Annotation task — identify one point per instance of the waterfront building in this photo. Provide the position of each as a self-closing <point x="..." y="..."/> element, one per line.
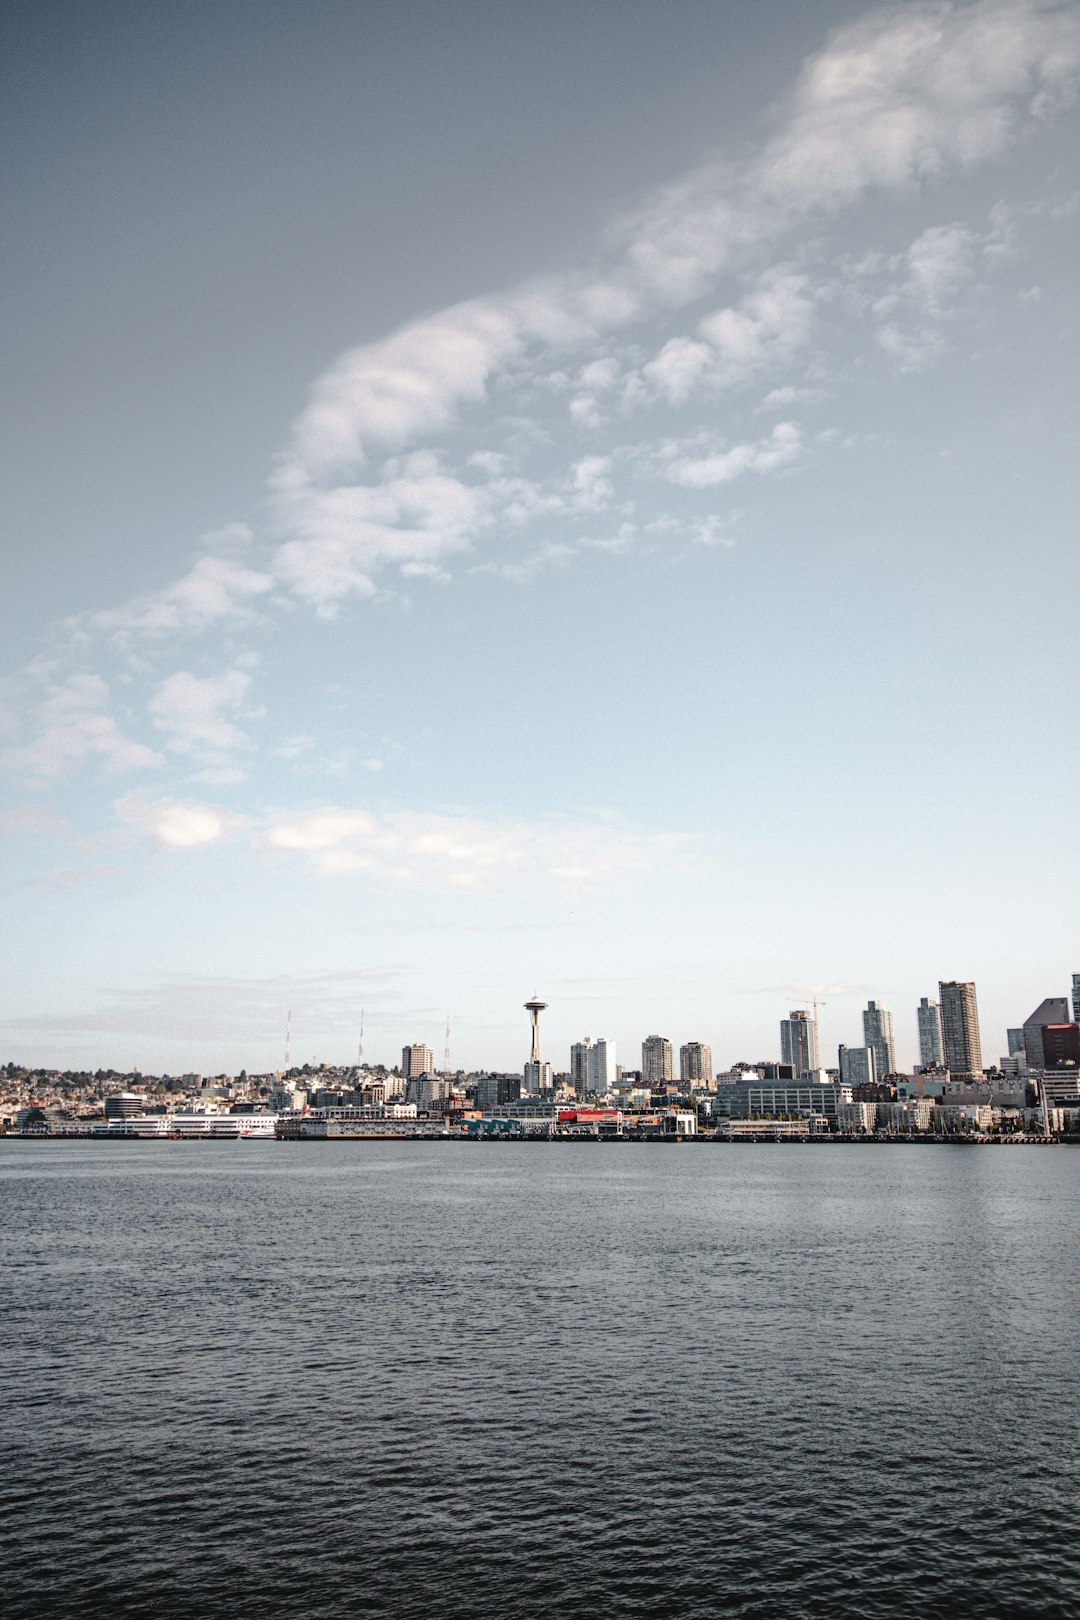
<point x="427" y="1091"/>
<point x="657" y="1067"/>
<point x="961" y="1046"/>
<point x="695" y="1064"/>
<point x="493" y="1090"/>
<point x="416" y="1060"/>
<point x="929" y="1020"/>
<point x="1052" y="1010"/>
<point x="773" y="1130"/>
<point x="798" y="1041"/>
<point x="125" y="1105"/>
<point x="743" y="1101"/>
<point x="878" y="1034"/>
<point x="858" y="1065"/>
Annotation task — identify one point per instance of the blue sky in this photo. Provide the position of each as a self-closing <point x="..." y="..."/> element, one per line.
<point x="578" y="501"/>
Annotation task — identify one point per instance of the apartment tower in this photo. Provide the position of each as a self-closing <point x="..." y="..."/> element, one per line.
<point x="798" y="1043"/>
<point x="878" y="1033"/>
<point x="929" y="1034"/>
<point x="961" y="1047"/>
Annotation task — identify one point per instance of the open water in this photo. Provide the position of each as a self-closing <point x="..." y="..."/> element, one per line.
<point x="431" y="1379"/>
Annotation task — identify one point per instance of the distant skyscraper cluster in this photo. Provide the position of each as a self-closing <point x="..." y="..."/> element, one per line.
<point x="949" y="1045"/>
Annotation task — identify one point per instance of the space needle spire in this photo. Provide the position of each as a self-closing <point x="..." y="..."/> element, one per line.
<point x="536" y="1072"/>
<point x="534" y="1008"/>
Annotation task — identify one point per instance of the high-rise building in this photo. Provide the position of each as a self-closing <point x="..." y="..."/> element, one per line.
<point x="593" y="1067"/>
<point x="877" y="1032"/>
<point x="1015" y="1038"/>
<point x="929" y="1034"/>
<point x="579" y="1065"/>
<point x="494" y="1090"/>
<point x="416" y="1060"/>
<point x="1076" y="998"/>
<point x="657" y="1068"/>
<point x="537" y="1077"/>
<point x="798" y="1041"/>
<point x="695" y="1064"/>
<point x="1053" y="1010"/>
<point x="1061" y="1046"/>
<point x="857" y="1066"/>
<point x="960" y="1043"/>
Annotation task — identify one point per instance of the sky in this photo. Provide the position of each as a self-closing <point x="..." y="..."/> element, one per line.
<point x="574" y="500"/>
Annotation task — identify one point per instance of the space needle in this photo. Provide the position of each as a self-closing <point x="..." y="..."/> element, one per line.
<point x="534" y="1071"/>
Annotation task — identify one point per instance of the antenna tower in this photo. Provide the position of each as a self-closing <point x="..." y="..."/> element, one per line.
<point x="446" y="1048"/>
<point x="288" y="1038"/>
<point x="360" y="1049"/>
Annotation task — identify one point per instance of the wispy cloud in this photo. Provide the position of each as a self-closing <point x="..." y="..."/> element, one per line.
<point x="70" y="723"/>
<point x="416" y="848"/>
<point x="198" y="716"/>
<point x="894" y="101"/>
<point x="219" y="587"/>
<point x="491" y="434"/>
<point x="684" y="462"/>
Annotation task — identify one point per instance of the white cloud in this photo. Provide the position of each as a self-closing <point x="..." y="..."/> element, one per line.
<point x="892" y="101"/>
<point x="770" y="324"/>
<point x="678" y="367"/>
<point x="723" y="466"/>
<point x="459" y="851"/>
<point x="70" y="725"/>
<point x="592" y="485"/>
<point x="387" y="392"/>
<point x="176" y="824"/>
<point x="195" y="714"/>
<point x="417" y="513"/>
<point x="912" y="90"/>
<point x="216" y="588"/>
<point x="912" y="295"/>
<point x="453" y="851"/>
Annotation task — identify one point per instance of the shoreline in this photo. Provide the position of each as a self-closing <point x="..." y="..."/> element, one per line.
<point x="538" y="1140"/>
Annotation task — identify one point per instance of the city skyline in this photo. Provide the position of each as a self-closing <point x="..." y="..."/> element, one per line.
<point x="956" y="1044"/>
<point x="443" y="506"/>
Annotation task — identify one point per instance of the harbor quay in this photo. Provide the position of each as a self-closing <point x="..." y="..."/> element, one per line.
<point x="538" y="1123"/>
